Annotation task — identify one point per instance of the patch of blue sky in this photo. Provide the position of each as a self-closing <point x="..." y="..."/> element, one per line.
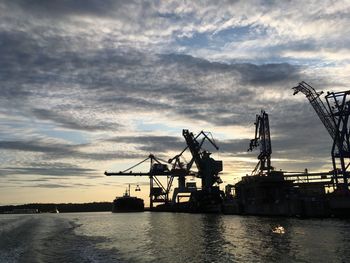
<point x="307" y="62"/>
<point x="219" y="39"/>
<point x="12" y="130"/>
<point x="239" y="34"/>
<point x="196" y="40"/>
<point x="275" y="55"/>
<point x="32" y="128"/>
<point x="76" y="137"/>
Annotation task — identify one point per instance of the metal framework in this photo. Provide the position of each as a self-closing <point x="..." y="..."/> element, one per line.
<point x="339" y="103"/>
<point x="336" y="121"/>
<point x="262" y="138"/>
<point x="208" y="168"/>
<point x="298" y="178"/>
<point x="159" y="193"/>
<point x="314" y="98"/>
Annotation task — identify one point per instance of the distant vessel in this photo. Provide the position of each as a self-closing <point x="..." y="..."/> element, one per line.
<point x="127" y="203"/>
<point x="55" y="211"/>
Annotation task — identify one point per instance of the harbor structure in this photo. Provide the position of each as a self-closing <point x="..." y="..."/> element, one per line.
<point x="266" y="191"/>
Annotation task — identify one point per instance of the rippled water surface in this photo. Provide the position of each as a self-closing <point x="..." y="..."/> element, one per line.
<point x="170" y="237"/>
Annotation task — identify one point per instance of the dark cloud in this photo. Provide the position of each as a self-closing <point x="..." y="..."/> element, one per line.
<point x="70" y="123"/>
<point x="162" y="144"/>
<point x="128" y="81"/>
<point x="268" y="74"/>
<point x="110" y="80"/>
<point x="47" y="171"/>
<point x="31" y="146"/>
<point x="51" y="186"/>
<point x="249" y="73"/>
<point x="154" y="144"/>
<point x="56" y="8"/>
<point x="53" y="151"/>
<point x="233" y="147"/>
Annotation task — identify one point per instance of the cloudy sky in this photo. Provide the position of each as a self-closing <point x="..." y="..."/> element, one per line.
<point x="88" y="86"/>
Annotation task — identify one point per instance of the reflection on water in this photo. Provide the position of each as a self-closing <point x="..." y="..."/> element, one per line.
<point x="170" y="237"/>
<point x="212" y="233"/>
<point x="254" y="240"/>
<point x="187" y="238"/>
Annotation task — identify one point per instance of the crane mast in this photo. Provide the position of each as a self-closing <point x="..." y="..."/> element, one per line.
<point x="208" y="168"/>
<point x="262" y="139"/>
<point x="209" y="198"/>
<point x="336" y="121"/>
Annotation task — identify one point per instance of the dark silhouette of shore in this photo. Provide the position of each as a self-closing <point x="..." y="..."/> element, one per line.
<point x="62" y="208"/>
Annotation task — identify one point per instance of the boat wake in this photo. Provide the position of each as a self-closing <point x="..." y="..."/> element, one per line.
<point x="48" y="238"/>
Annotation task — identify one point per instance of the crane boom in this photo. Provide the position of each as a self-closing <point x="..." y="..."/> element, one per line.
<point x="158" y="192"/>
<point x="336" y="121"/>
<point x="208" y="168"/>
<point x="314" y="98"/>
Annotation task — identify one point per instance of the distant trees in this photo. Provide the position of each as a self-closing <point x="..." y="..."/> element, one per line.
<point x="62" y="208"/>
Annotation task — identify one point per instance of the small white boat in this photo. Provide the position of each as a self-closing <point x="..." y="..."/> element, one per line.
<point x="55" y="211"/>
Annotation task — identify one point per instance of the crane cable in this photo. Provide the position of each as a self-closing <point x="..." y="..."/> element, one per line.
<point x="135" y="165"/>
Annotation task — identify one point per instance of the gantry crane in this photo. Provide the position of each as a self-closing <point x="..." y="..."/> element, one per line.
<point x="208" y="170"/>
<point x="336" y="121"/>
<point x="209" y="198"/>
<point x="158" y="167"/>
<point x="262" y="139"/>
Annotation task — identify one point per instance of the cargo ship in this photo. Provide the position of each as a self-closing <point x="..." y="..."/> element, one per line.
<point x="127" y="203"/>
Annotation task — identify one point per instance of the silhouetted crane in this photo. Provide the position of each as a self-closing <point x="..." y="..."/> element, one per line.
<point x="336" y="121"/>
<point x="208" y="198"/>
<point x="159" y="193"/>
<point x="208" y="168"/>
<point x="262" y="139"/>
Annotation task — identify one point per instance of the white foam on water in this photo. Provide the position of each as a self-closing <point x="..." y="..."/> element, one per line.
<point x="45" y="238"/>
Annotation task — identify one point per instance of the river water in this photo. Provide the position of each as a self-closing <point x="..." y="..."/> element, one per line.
<point x="170" y="237"/>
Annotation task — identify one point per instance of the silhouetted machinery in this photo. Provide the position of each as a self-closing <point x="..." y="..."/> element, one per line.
<point x="159" y="193"/>
<point x="336" y="121"/>
<point x="208" y="168"/>
<point x="262" y="139"/>
<point x="207" y="199"/>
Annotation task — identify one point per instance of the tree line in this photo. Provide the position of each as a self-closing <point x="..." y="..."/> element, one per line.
<point x="62" y="208"/>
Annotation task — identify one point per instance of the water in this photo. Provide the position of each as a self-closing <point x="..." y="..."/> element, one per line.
<point x="170" y="237"/>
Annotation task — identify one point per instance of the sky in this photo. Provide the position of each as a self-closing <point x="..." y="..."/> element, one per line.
<point x="88" y="86"/>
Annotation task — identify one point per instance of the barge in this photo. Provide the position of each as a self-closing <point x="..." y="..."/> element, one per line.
<point x="127" y="203"/>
